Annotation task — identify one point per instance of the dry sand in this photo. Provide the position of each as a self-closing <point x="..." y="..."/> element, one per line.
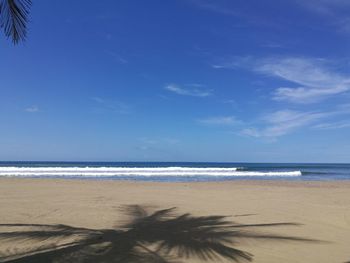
<point x="322" y="207"/>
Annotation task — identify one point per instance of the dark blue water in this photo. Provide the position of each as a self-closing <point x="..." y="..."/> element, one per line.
<point x="281" y="171"/>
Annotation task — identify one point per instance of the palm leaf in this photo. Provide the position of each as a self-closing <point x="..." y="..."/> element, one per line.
<point x="14" y="18"/>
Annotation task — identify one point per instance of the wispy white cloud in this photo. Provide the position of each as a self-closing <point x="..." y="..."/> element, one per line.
<point x="284" y="122"/>
<point x="111" y="105"/>
<point x="32" y="109"/>
<point x="314" y="79"/>
<point x="333" y="125"/>
<point x="189" y="90"/>
<point x="325" y="7"/>
<point x="305" y="94"/>
<point x="220" y="120"/>
<point x="334" y="11"/>
<point x="196" y="85"/>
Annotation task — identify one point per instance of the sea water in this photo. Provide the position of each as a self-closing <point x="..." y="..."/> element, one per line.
<point x="175" y="171"/>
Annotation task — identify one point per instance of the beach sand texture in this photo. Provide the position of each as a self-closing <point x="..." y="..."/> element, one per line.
<point x="323" y="209"/>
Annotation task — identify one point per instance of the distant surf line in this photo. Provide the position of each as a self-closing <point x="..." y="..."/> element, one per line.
<point x="12" y="171"/>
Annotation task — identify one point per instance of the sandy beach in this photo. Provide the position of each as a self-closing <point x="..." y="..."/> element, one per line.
<point x="322" y="209"/>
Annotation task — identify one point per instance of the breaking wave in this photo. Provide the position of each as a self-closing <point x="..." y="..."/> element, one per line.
<point x="136" y="171"/>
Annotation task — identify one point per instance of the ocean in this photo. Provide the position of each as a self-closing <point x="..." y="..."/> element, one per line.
<point x="176" y="171"/>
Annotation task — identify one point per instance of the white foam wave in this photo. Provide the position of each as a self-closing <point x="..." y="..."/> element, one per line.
<point x="135" y="171"/>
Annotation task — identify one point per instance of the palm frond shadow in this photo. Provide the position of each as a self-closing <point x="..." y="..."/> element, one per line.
<point x="157" y="237"/>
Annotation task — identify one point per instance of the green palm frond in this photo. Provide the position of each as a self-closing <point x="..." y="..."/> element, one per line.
<point x="14" y="18"/>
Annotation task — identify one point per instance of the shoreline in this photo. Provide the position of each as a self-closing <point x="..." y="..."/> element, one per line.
<point x="262" y="182"/>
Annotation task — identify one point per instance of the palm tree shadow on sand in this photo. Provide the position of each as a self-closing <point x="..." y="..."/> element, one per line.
<point x="157" y="237"/>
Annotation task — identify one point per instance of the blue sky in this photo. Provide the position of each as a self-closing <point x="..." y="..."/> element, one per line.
<point x="181" y="80"/>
